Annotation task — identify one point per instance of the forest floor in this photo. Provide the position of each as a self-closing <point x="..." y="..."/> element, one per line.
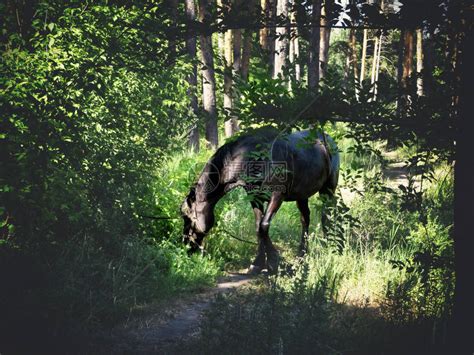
<point x="163" y="328"/>
<point x="166" y="328"/>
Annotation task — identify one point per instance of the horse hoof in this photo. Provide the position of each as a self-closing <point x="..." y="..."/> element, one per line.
<point x="272" y="263"/>
<point x="254" y="270"/>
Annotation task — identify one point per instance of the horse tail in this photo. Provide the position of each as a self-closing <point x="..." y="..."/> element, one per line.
<point x="333" y="165"/>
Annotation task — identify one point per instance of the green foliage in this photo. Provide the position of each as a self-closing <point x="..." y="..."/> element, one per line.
<point x="89" y="109"/>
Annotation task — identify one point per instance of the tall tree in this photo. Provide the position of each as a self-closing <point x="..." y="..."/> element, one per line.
<point x="190" y="9"/>
<point x="419" y="61"/>
<point x="249" y="12"/>
<point x="267" y="34"/>
<point x="220" y="35"/>
<point x="228" y="102"/>
<point x="364" y="55"/>
<point x="374" y="59"/>
<point x="208" y="76"/>
<point x="295" y="48"/>
<point x="407" y="57"/>
<point x="282" y="38"/>
<point x="428" y="64"/>
<point x="246" y="54"/>
<point x="237" y="40"/>
<point x="265" y="30"/>
<point x="353" y="53"/>
<point x="314" y="41"/>
<point x="377" y="64"/>
<point x="325" y="34"/>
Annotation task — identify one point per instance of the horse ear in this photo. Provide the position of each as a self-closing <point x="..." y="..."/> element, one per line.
<point x="190" y="198"/>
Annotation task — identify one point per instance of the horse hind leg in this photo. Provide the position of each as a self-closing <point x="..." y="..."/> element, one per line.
<point x="305" y="213"/>
<point x="272" y="254"/>
<point x="260" y="260"/>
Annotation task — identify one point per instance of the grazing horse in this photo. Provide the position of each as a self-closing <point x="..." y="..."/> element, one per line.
<point x="273" y="168"/>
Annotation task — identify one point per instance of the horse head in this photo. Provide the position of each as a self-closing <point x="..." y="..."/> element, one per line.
<point x="198" y="218"/>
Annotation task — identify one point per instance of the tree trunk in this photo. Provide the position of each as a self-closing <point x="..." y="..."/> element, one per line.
<point x="246" y="54"/>
<point x="374" y="64"/>
<point x="267" y="34"/>
<point x="282" y="41"/>
<point x="265" y="31"/>
<point x="294" y="51"/>
<point x="407" y="69"/>
<point x="428" y="64"/>
<point x="237" y="48"/>
<point x="237" y="40"/>
<point x="377" y="66"/>
<point x="228" y="49"/>
<point x="208" y="77"/>
<point x="419" y="61"/>
<point x="247" y="42"/>
<point x="314" y="42"/>
<point x="220" y="35"/>
<point x="190" y="9"/>
<point x="353" y="53"/>
<point x="400" y="72"/>
<point x="374" y="60"/>
<point x="364" y="53"/>
<point x="407" y="57"/>
<point x="325" y="34"/>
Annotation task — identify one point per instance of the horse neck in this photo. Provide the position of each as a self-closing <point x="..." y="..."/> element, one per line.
<point x="209" y="189"/>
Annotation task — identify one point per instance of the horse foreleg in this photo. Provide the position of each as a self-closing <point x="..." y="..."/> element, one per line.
<point x="259" y="262"/>
<point x="304" y="210"/>
<point x="272" y="254"/>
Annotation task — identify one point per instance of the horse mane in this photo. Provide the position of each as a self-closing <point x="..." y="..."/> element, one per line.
<point x="223" y="155"/>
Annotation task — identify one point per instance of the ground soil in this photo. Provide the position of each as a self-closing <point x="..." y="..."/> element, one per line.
<point x="163" y="328"/>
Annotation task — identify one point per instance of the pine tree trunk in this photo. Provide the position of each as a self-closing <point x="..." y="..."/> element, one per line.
<point x="190" y="9"/>
<point x="407" y="64"/>
<point x="407" y="57"/>
<point x="428" y="64"/>
<point x="325" y="34"/>
<point x="267" y="34"/>
<point x="400" y="72"/>
<point x="208" y="77"/>
<point x="247" y="42"/>
<point x="314" y="43"/>
<point x="237" y="40"/>
<point x="374" y="64"/>
<point x="264" y="32"/>
<point x="377" y="67"/>
<point x="419" y="61"/>
<point x="363" y="58"/>
<point x="246" y="54"/>
<point x="298" y="69"/>
<point x="220" y="35"/>
<point x="282" y="42"/>
<point x="353" y="53"/>
<point x="228" y="49"/>
<point x="237" y="49"/>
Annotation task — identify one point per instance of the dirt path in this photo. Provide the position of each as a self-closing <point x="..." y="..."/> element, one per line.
<point x="161" y="329"/>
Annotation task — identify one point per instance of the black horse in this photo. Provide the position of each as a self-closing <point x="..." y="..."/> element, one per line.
<point x="273" y="168"/>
